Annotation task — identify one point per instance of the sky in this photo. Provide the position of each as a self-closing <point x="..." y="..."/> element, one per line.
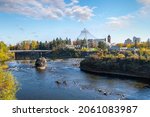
<point x="44" y="20"/>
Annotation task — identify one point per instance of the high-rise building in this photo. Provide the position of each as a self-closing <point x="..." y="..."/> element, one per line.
<point x="136" y="40"/>
<point x="128" y="41"/>
<point x="109" y="39"/>
<point x="148" y="42"/>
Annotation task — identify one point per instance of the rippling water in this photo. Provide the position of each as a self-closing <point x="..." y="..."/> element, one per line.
<point x="64" y="80"/>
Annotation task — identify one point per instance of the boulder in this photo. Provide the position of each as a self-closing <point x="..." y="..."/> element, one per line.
<point x="41" y="63"/>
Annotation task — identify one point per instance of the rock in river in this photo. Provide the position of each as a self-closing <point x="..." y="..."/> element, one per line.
<point x="41" y="63"/>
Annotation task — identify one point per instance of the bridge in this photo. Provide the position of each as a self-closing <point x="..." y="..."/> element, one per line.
<point x="34" y="54"/>
<point x="31" y="54"/>
<point x="16" y="51"/>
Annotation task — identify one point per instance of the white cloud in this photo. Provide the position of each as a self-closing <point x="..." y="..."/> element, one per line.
<point x="145" y="9"/>
<point x="52" y="9"/>
<point x="126" y="20"/>
<point x="119" y="22"/>
<point x="145" y="2"/>
<point x="73" y="2"/>
<point x="84" y="13"/>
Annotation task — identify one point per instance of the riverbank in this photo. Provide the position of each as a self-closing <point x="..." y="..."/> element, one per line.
<point x="127" y="68"/>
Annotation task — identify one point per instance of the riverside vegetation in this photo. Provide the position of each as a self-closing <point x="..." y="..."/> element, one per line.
<point x="127" y="63"/>
<point x="8" y="85"/>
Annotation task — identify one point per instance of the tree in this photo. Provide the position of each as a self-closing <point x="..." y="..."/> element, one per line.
<point x="128" y="45"/>
<point x="148" y="43"/>
<point x="11" y="47"/>
<point x="7" y="81"/>
<point x="84" y="43"/>
<point x="8" y="86"/>
<point x="102" y="45"/>
<point x="57" y="43"/>
<point x="121" y="56"/>
<point x="25" y="45"/>
<point x="120" y="45"/>
<point x="69" y="41"/>
<point x="54" y="44"/>
<point x="34" y="45"/>
<point x="3" y="47"/>
<point x="41" y="46"/>
<point x="136" y="44"/>
<point x="4" y="53"/>
<point x="66" y="41"/>
<point x="18" y="46"/>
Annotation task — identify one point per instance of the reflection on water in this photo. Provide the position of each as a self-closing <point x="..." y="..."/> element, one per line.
<point x="64" y="80"/>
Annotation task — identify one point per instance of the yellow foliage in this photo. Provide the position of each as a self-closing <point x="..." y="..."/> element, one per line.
<point x="4" y="66"/>
<point x="121" y="56"/>
<point x="129" y="45"/>
<point x="85" y="49"/>
<point x="34" y="45"/>
<point x="4" y="53"/>
<point x="120" y="44"/>
<point x="8" y="86"/>
<point x="7" y="82"/>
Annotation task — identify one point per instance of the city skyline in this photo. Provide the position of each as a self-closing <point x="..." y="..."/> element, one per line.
<point x="47" y="19"/>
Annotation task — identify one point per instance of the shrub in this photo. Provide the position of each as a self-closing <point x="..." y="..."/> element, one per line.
<point x="128" y="54"/>
<point x="8" y="86"/>
<point x="121" y="56"/>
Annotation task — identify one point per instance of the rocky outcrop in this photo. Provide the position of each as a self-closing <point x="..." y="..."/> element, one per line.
<point x="41" y="63"/>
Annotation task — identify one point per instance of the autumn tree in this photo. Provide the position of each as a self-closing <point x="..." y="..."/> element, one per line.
<point x="8" y="87"/>
<point x="120" y="45"/>
<point x="129" y="45"/>
<point x="25" y="45"/>
<point x="4" y="53"/>
<point x="34" y="45"/>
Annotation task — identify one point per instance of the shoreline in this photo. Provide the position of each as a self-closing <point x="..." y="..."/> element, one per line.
<point x="123" y="76"/>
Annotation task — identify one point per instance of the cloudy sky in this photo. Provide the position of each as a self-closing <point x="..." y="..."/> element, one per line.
<point x="46" y="19"/>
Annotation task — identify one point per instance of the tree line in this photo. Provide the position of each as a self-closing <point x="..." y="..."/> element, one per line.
<point x="38" y="45"/>
<point x="136" y="45"/>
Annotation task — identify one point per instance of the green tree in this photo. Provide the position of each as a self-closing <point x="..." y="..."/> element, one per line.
<point x="84" y="43"/>
<point x="102" y="45"/>
<point x="148" y="43"/>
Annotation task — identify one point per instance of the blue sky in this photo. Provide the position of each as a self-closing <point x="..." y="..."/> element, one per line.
<point x="47" y="19"/>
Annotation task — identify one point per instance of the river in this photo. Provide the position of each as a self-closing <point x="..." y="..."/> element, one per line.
<point x="63" y="80"/>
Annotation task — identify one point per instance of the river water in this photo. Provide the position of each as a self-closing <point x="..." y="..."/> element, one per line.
<point x="63" y="80"/>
